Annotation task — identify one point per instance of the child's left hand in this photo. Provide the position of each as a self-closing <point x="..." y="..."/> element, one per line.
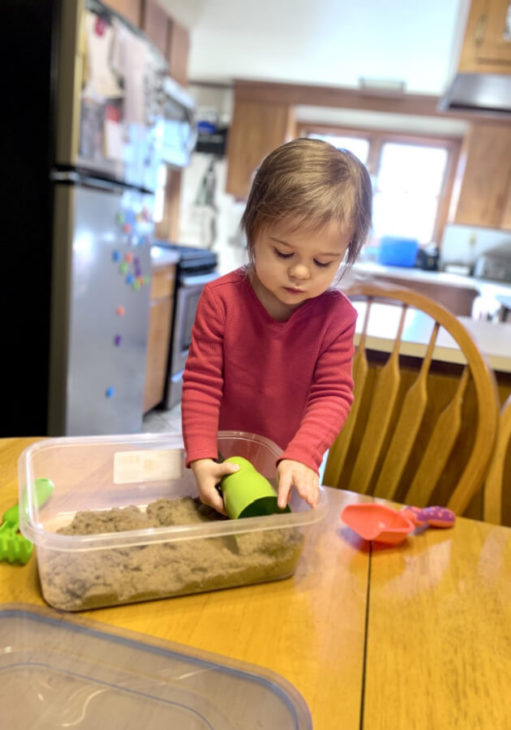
<point x="304" y="479"/>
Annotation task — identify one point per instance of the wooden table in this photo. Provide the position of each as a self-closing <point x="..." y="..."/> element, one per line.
<point x="439" y="631"/>
<point x="309" y="629"/>
<point x="417" y="636"/>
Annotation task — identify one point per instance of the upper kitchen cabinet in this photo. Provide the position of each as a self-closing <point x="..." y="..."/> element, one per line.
<point x="171" y="38"/>
<point x="131" y="10"/>
<point x="154" y="21"/>
<point x="487" y="41"/>
<point x="482" y="195"/>
<point x="257" y="127"/>
<point x="178" y="48"/>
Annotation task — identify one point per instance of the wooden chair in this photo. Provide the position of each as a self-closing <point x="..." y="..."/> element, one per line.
<point x="497" y="490"/>
<point x="420" y="431"/>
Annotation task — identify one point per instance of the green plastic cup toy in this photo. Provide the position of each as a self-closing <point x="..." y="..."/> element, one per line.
<point x="247" y="493"/>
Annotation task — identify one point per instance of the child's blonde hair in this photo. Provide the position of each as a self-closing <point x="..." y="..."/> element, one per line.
<point x="310" y="182"/>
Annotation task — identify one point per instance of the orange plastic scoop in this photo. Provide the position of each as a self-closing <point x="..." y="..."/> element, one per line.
<point x="377" y="522"/>
<point x="383" y="524"/>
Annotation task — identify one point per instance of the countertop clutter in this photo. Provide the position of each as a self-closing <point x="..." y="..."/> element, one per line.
<point x="443" y="278"/>
<point x="465" y="296"/>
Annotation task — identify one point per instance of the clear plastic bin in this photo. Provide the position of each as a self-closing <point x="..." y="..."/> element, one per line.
<point x="194" y="551"/>
<point x="58" y="672"/>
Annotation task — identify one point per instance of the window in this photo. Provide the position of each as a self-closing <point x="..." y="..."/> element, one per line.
<point x="357" y="145"/>
<point x="407" y="190"/>
<point x="412" y="179"/>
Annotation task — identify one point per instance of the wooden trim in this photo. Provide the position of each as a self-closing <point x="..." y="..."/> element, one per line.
<point x="342" y="97"/>
<point x="178" y="50"/>
<point x="168" y="228"/>
<point x="154" y="24"/>
<point x="497" y="503"/>
<point x="375" y="132"/>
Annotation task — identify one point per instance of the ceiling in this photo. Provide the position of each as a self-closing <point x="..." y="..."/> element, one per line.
<point x="323" y="42"/>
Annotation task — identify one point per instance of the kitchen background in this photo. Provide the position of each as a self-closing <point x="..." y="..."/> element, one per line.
<point x="100" y="333"/>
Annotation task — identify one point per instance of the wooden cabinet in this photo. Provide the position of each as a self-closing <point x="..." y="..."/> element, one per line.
<point x="487" y="41"/>
<point x="483" y="186"/>
<point x="506" y="215"/>
<point x="131" y="10"/>
<point x="171" y="38"/>
<point x="178" y="49"/>
<point x="256" y="129"/>
<point x="154" y="22"/>
<point x="158" y="344"/>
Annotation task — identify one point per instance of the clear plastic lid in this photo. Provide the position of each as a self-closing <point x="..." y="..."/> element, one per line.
<point x="59" y="672"/>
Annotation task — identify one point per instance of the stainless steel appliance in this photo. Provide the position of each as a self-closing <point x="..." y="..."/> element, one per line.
<point x="92" y="115"/>
<point x="495" y="264"/>
<point x="196" y="268"/>
<point x="480" y="93"/>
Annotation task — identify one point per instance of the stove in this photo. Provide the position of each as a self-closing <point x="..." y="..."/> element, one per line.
<point x="196" y="267"/>
<point x="191" y="258"/>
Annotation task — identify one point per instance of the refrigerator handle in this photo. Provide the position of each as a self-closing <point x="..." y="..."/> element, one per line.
<point x="75" y="178"/>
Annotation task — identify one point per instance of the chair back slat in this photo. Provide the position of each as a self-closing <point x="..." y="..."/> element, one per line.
<point x="439" y="447"/>
<point x="407" y="427"/>
<point x="339" y="449"/>
<point x="376" y="429"/>
<point x="497" y="490"/>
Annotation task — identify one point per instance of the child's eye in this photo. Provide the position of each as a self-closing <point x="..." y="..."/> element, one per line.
<point x="282" y="255"/>
<point x="321" y="264"/>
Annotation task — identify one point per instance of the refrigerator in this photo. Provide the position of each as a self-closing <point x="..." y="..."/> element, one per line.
<point x="91" y="116"/>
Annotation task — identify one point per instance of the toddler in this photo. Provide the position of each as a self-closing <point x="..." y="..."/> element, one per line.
<point x="272" y="342"/>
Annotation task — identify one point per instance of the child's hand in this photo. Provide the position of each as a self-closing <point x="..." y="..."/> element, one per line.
<point x="208" y="473"/>
<point x="304" y="479"/>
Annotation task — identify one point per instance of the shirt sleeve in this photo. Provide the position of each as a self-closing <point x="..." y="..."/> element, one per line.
<point x="203" y="380"/>
<point x="329" y="401"/>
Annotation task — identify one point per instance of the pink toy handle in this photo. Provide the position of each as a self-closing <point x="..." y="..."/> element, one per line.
<point x="432" y="516"/>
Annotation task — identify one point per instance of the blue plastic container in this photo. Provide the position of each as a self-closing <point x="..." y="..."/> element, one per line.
<point x="395" y="251"/>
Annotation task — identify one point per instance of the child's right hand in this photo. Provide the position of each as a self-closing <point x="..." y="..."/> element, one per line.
<point x="208" y="473"/>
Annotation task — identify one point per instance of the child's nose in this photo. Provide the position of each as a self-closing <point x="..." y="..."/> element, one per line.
<point x="300" y="271"/>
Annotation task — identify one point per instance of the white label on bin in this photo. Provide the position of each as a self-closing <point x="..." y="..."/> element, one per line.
<point x="148" y="466"/>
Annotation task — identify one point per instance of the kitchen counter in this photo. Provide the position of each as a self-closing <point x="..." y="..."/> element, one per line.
<point x="455" y="291"/>
<point x="492" y="338"/>
<point x="411" y="274"/>
<point x="161" y="257"/>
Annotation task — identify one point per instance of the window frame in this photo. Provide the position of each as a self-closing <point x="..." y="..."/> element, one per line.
<point x="377" y="137"/>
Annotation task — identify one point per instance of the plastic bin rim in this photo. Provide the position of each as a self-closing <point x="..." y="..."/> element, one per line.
<point x="176" y="533"/>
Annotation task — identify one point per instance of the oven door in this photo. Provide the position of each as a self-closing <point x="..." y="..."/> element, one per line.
<point x="189" y="289"/>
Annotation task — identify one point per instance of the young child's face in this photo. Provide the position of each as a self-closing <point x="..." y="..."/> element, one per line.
<point x="293" y="264"/>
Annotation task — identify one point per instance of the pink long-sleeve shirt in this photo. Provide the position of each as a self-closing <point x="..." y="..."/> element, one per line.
<point x="289" y="381"/>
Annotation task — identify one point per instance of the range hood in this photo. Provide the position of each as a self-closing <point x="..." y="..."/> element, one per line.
<point x="476" y="92"/>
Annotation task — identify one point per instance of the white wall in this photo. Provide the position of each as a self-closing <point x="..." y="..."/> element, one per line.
<point x="214" y="223"/>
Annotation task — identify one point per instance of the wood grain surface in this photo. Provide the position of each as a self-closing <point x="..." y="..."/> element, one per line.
<point x="436" y="651"/>
<point x="439" y="631"/>
<point x="309" y="628"/>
